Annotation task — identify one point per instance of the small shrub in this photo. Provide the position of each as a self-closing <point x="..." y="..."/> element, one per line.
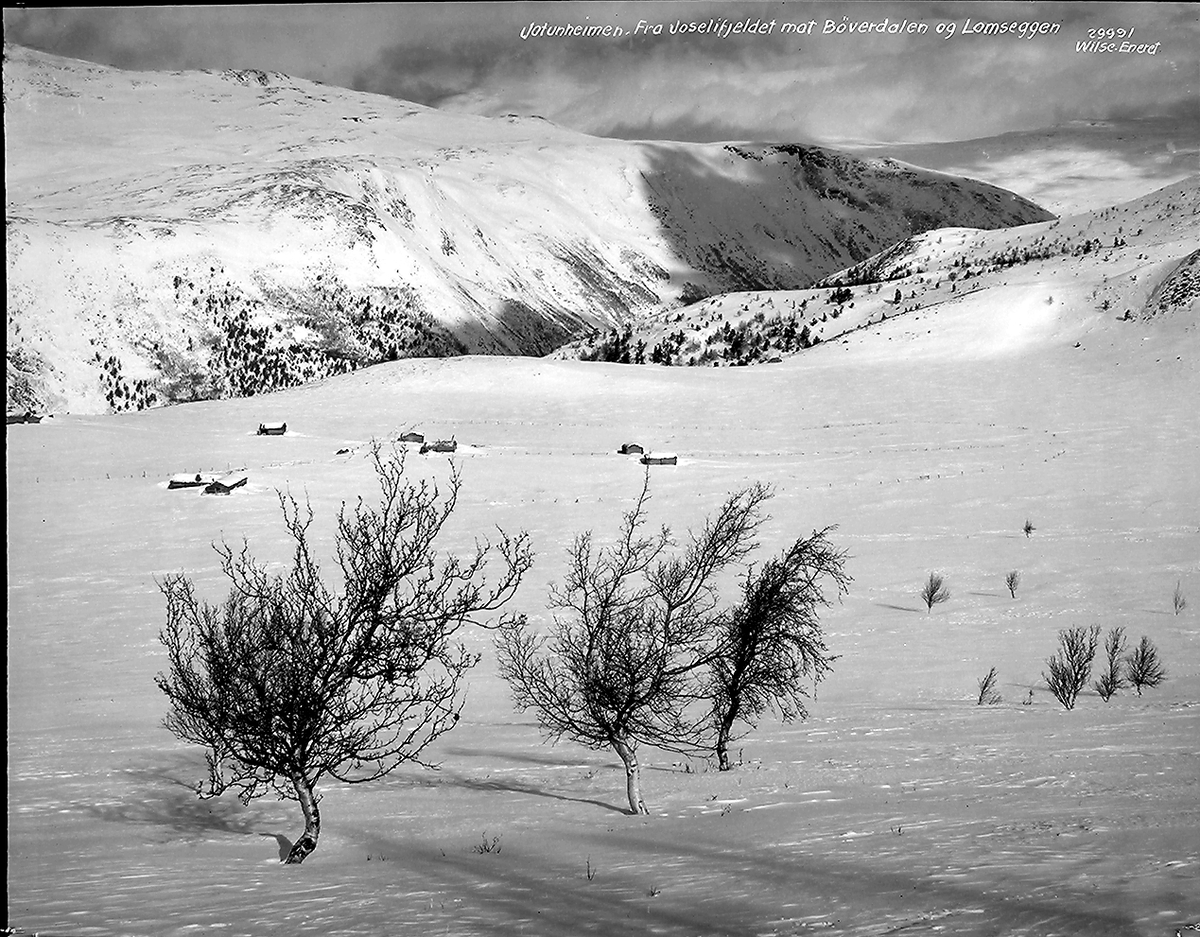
<point x="1028" y="528"/>
<point x="935" y="591"/>
<point x="488" y="845"/>
<point x="1111" y="681"/>
<point x="1071" y="666"/>
<point x="1178" y="602"/>
<point x="1142" y="667"/>
<point x="988" y="694"/>
<point x="1012" y="580"/>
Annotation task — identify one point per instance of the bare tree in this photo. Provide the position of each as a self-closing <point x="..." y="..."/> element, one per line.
<point x="934" y="591"/>
<point x="988" y="694"/>
<point x="631" y="630"/>
<point x="288" y="680"/>
<point x="1142" y="667"/>
<point x="1178" y="602"/>
<point x="1071" y="665"/>
<point x="1012" y="580"/>
<point x="772" y="642"/>
<point x="1111" y="680"/>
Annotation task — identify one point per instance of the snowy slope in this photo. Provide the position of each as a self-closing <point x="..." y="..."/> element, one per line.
<point x="190" y="235"/>
<point x="1130" y="261"/>
<point x="900" y="806"/>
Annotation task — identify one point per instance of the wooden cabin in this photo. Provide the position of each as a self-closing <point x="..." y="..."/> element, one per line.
<point x="225" y="484"/>
<point x="272" y="429"/>
<point x="184" y="480"/>
<point x="440" y="445"/>
<point x="412" y="437"/>
<point x="631" y="448"/>
<point x="660" y="458"/>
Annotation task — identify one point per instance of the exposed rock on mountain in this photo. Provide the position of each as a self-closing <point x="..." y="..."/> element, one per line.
<point x="189" y="235"/>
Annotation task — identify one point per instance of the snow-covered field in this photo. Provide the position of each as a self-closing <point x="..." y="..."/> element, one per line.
<point x="899" y="807"/>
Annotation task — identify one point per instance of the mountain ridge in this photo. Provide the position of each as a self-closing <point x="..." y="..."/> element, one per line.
<point x="226" y="233"/>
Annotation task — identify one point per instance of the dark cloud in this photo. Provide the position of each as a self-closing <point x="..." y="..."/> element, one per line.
<point x="697" y="86"/>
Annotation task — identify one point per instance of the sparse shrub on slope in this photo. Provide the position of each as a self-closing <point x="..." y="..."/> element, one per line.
<point x="1012" y="580"/>
<point x="934" y="591"/>
<point x="287" y="681"/>
<point x="1071" y="666"/>
<point x="1142" y="666"/>
<point x="1111" y="680"/>
<point x="988" y="693"/>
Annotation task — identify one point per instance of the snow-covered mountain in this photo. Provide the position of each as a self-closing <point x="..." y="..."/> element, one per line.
<point x="188" y="235"/>
<point x="1131" y="261"/>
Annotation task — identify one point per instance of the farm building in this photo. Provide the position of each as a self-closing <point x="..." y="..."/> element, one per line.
<point x="660" y="458"/>
<point x="272" y="429"/>
<point x="186" y="480"/>
<point x="226" y="484"/>
<point x="631" y="448"/>
<point x="412" y="437"/>
<point x="27" y="417"/>
<point x="440" y="445"/>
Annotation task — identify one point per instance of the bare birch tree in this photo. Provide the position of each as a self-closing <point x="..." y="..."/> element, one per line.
<point x="289" y="681"/>
<point x="631" y="628"/>
<point x="1069" y="670"/>
<point x="1142" y="666"/>
<point x="771" y="644"/>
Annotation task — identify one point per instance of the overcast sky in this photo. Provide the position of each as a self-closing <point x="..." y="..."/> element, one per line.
<point x="948" y="82"/>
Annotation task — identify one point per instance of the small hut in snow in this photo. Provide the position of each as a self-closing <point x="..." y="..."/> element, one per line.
<point x="184" y="480"/>
<point x="440" y="445"/>
<point x="660" y="458"/>
<point x="226" y="484"/>
<point x="272" y="429"/>
<point x="412" y="437"/>
<point x="631" y="448"/>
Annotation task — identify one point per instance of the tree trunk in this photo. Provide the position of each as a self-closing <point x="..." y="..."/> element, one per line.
<point x="633" y="776"/>
<point x="312" y="821"/>
<point x="723" y="747"/>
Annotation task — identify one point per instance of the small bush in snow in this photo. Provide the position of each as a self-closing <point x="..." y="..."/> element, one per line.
<point x="1071" y="666"/>
<point x="1142" y="667"/>
<point x="1012" y="580"/>
<point x="1111" y="680"/>
<point x="1178" y="602"/>
<point x="988" y="694"/>
<point x="935" y="591"/>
